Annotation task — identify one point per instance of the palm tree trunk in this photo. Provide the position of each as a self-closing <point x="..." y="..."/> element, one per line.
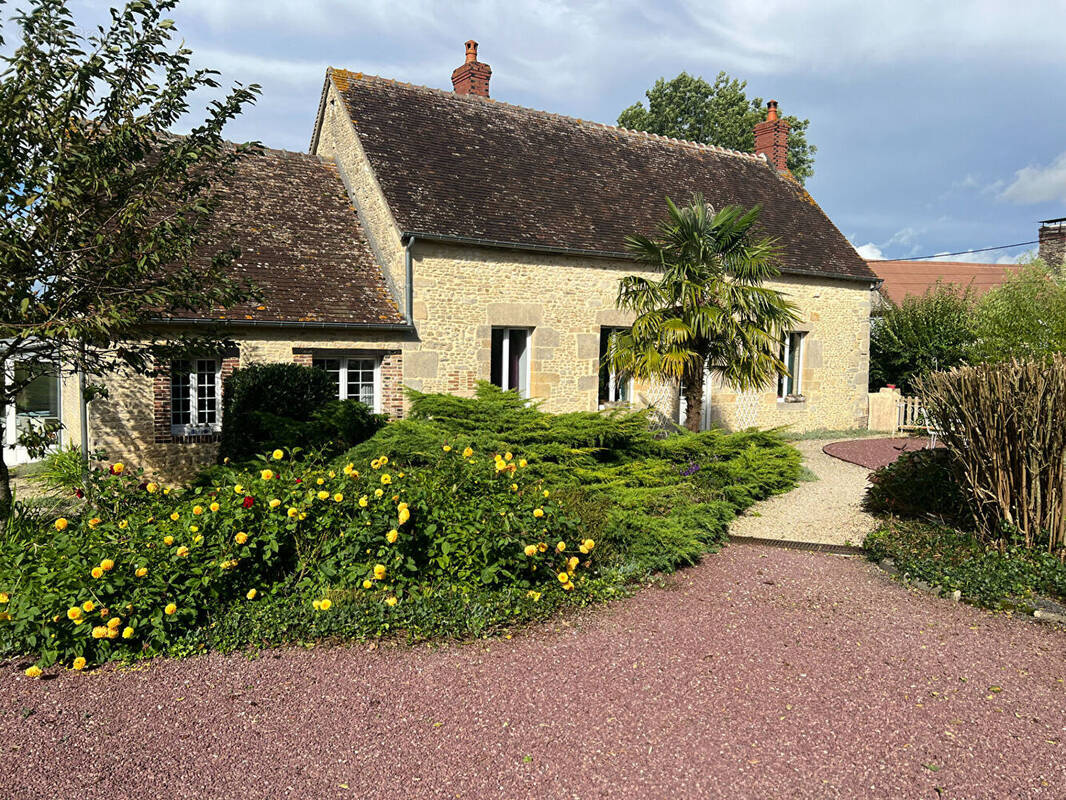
<point x="694" y="400"/>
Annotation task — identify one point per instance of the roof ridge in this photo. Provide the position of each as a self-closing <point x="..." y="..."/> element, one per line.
<point x="348" y="74"/>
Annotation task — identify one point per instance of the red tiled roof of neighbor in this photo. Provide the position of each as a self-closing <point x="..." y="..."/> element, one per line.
<point x="909" y="278"/>
<point x="301" y="245"/>
<point x="464" y="166"/>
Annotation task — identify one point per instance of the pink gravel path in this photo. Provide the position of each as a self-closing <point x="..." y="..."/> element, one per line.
<point x="874" y="453"/>
<point x="761" y="673"/>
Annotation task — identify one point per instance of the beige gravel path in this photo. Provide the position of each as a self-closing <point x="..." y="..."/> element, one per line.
<point x="826" y="511"/>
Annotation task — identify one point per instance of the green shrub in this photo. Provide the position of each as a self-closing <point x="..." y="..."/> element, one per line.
<point x="267" y="406"/>
<point x="920" y="483"/>
<point x="1023" y="318"/>
<point x="991" y="577"/>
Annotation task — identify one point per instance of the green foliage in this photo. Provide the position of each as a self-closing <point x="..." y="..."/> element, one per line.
<point x="992" y="577"/>
<point x="923" y="334"/>
<point x="920" y="484"/>
<point x="720" y="114"/>
<point x="267" y="406"/>
<point x="106" y="211"/>
<point x="1023" y="318"/>
<point x="709" y="311"/>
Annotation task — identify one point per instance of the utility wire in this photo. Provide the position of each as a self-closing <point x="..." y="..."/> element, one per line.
<point x="962" y="252"/>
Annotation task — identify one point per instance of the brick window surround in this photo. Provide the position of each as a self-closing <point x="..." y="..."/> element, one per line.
<point x="164" y="434"/>
<point x="391" y="371"/>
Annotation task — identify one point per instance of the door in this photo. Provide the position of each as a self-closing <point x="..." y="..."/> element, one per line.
<point x="35" y="406"/>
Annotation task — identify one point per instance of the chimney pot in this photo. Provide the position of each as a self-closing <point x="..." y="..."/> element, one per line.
<point x="472" y="77"/>
<point x="771" y="110"/>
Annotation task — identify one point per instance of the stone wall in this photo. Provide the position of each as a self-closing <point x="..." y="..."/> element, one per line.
<point x="124" y="424"/>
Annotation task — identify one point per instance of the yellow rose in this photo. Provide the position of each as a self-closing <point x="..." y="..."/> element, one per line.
<point x="198" y="510"/>
<point x="508" y="456"/>
<point x="531" y="550"/>
<point x="214" y="506"/>
<point x="251" y="594"/>
<point x="182" y="551"/>
<point x="379" y="572"/>
<point x="141" y="572"/>
<point x="367" y="584"/>
<point x="589" y="543"/>
<point x="320" y="481"/>
<point x="197" y="539"/>
<point x="94" y="522"/>
<point x="378" y="493"/>
<point x="522" y="462"/>
<point x="538" y="512"/>
<point x="392" y="536"/>
<point x="99" y="632"/>
<point x="362" y="501"/>
<point x="547" y="493"/>
<point x="278" y="455"/>
<point x="563" y="577"/>
<point x="353" y="474"/>
<point x="107" y="565"/>
<point x="390" y="601"/>
<point x="386" y="479"/>
<point x="170" y="609"/>
<point x="238" y="489"/>
<point x="127" y="633"/>
<point x="175" y="516"/>
<point x="33" y="672"/>
<point x="468" y="452"/>
<point x="447" y="448"/>
<point x="266" y="474"/>
<point x="168" y="540"/>
<point x="152" y="488"/>
<point x="542" y="547"/>
<point x="114" y="622"/>
<point x="322" y="495"/>
<point x="167" y="490"/>
<point x="561" y="547"/>
<point x="88" y="606"/>
<point x="303" y="515"/>
<point x="338" y="498"/>
<point x="79" y="663"/>
<point x="61" y="525"/>
<point x="384" y="460"/>
<point x="572" y="563"/>
<point x="194" y="528"/>
<point x="293" y="512"/>
<point x="582" y="549"/>
<point x="401" y="507"/>
<point x="514" y="487"/>
<point x="275" y="503"/>
<point x="74" y="612"/>
<point x="123" y="525"/>
<point x="404" y="515"/>
<point x="4" y="597"/>
<point x="241" y="537"/>
<point x="118" y="467"/>
<point x="375" y="464"/>
<point x="569" y="586"/>
<point x="97" y="572"/>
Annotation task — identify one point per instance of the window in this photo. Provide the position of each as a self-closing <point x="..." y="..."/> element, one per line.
<point x="614" y="388"/>
<point x="510" y="359"/>
<point x="791" y="385"/>
<point x="195" y="392"/>
<point x="355" y="379"/>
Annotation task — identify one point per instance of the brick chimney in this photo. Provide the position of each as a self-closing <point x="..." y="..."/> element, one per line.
<point x="1053" y="242"/>
<point x="473" y="76"/>
<point x="771" y="138"/>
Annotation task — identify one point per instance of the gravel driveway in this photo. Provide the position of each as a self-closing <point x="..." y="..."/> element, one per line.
<point x="826" y="511"/>
<point x="762" y="673"/>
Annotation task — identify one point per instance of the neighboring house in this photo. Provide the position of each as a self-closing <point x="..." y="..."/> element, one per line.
<point x="435" y="239"/>
<point x="902" y="279"/>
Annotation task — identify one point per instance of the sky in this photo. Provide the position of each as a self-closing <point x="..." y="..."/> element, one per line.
<point x="939" y="125"/>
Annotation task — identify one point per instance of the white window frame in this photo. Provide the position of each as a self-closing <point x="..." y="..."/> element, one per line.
<point x="792" y="385"/>
<point x="14" y="453"/>
<point x="612" y="380"/>
<point x="194" y="427"/>
<point x="505" y="357"/>
<point x="344" y="360"/>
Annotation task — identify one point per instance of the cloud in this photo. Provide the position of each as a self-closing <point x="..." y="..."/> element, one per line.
<point x="1038" y="184"/>
<point x="869" y="251"/>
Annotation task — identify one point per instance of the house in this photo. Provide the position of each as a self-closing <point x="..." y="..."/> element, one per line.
<point x="434" y="239"/>
<point x="901" y="279"/>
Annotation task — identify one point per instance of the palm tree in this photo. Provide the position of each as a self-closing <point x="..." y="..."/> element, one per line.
<point x="709" y="311"/>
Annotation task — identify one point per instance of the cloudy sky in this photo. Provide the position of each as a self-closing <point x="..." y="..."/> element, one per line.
<point x="939" y="124"/>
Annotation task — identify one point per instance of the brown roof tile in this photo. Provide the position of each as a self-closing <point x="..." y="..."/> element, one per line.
<point x="472" y="167"/>
<point x="301" y="245"/>
<point x="915" y="278"/>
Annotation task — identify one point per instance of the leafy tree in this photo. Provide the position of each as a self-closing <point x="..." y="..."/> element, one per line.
<point x="720" y="114"/>
<point x="922" y="334"/>
<point x="709" y="310"/>
<point x="104" y="224"/>
<point x="1023" y="318"/>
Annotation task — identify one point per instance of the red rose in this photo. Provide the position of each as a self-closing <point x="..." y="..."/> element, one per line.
<point x="248" y="502"/>
<point x="299" y="480"/>
<point x="78" y="493"/>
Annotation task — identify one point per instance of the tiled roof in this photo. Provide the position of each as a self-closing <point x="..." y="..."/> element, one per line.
<point x="301" y="245"/>
<point x="915" y="278"/>
<point x="470" y="167"/>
